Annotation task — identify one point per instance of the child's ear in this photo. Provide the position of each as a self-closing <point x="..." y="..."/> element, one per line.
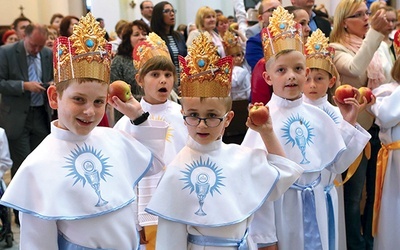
<point x="229" y="118"/>
<point x="52" y="95"/>
<point x="138" y="80"/>
<point x="267" y="78"/>
<point x="332" y="82"/>
<point x="308" y="70"/>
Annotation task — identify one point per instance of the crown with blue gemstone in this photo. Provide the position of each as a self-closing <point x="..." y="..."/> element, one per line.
<point x="203" y="72"/>
<point x="85" y="54"/>
<point x="151" y="47"/>
<point x="319" y="55"/>
<point x="282" y="33"/>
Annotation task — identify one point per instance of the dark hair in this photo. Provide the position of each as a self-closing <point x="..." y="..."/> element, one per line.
<point x="141" y="4"/>
<point x="157" y="24"/>
<point x="125" y="48"/>
<point x="99" y="19"/>
<point x="64" y="25"/>
<point x="57" y="15"/>
<point x="291" y="9"/>
<point x="19" y="19"/>
<point x="41" y="28"/>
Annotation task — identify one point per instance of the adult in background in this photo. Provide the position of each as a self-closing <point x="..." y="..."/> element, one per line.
<point x="26" y="69"/>
<point x="67" y="25"/>
<point x="206" y="21"/>
<point x="19" y="25"/>
<point x="254" y="50"/>
<point x="162" y="24"/>
<point x="356" y="39"/>
<point x="9" y="37"/>
<point x="146" y="10"/>
<point x="122" y="64"/>
<point x="55" y="20"/>
<point x="316" y="22"/>
<point x="103" y="25"/>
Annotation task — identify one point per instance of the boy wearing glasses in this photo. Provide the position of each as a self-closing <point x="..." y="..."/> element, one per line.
<point x="209" y="193"/>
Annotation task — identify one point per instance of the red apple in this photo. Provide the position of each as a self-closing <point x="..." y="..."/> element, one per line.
<point x="367" y="92"/>
<point x="343" y="92"/>
<point x="120" y="89"/>
<point x="259" y="114"/>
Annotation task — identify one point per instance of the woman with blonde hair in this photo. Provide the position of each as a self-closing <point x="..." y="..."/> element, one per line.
<point x="206" y="21"/>
<point x="356" y="38"/>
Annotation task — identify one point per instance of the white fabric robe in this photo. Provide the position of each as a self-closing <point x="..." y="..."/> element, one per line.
<point x="328" y="177"/>
<point x="84" y="186"/>
<point x="175" y="140"/>
<point x="311" y="139"/>
<point x="239" y="181"/>
<point x="387" y="112"/>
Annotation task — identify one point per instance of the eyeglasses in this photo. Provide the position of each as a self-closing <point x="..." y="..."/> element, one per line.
<point x="360" y="14"/>
<point x="168" y="11"/>
<point x="269" y="10"/>
<point x="210" y="122"/>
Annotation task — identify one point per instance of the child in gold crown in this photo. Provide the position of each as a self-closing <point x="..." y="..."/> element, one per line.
<point x="309" y="137"/>
<point x="322" y="78"/>
<point x="210" y="191"/>
<point x="76" y="190"/>
<point x="241" y="71"/>
<point x="386" y="206"/>
<point x="156" y="76"/>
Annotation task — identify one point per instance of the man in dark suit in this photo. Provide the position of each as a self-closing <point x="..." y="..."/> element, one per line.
<point x="316" y="22"/>
<point x="26" y="69"/>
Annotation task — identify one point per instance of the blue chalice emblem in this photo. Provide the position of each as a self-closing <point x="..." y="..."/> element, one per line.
<point x="203" y="177"/>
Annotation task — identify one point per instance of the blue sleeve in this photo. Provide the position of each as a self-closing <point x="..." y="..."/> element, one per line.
<point x="254" y="50"/>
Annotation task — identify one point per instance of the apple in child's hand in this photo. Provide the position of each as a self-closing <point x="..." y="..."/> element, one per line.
<point x="259" y="114"/>
<point x="367" y="92"/>
<point x="343" y="92"/>
<point x="120" y="89"/>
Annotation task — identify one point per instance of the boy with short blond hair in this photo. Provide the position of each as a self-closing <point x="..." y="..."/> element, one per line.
<point x="309" y="137"/>
<point x="76" y="190"/>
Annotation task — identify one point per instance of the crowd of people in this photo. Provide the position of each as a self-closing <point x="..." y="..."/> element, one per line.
<point x="319" y="174"/>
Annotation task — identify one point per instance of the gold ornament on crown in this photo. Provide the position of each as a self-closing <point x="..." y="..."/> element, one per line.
<point x="231" y="43"/>
<point x="152" y="46"/>
<point x="282" y="33"/>
<point x="203" y="72"/>
<point x="85" y="54"/>
<point x="319" y="55"/>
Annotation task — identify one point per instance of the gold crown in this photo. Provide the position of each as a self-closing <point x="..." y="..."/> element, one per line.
<point x="318" y="53"/>
<point x="231" y="44"/>
<point x="282" y="33"/>
<point x="152" y="46"/>
<point x="396" y="43"/>
<point x="203" y="72"/>
<point x="85" y="54"/>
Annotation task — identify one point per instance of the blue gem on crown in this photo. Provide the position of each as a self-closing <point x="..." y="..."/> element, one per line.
<point x="89" y="43"/>
<point x="201" y="63"/>
<point x="282" y="26"/>
<point x="317" y="47"/>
